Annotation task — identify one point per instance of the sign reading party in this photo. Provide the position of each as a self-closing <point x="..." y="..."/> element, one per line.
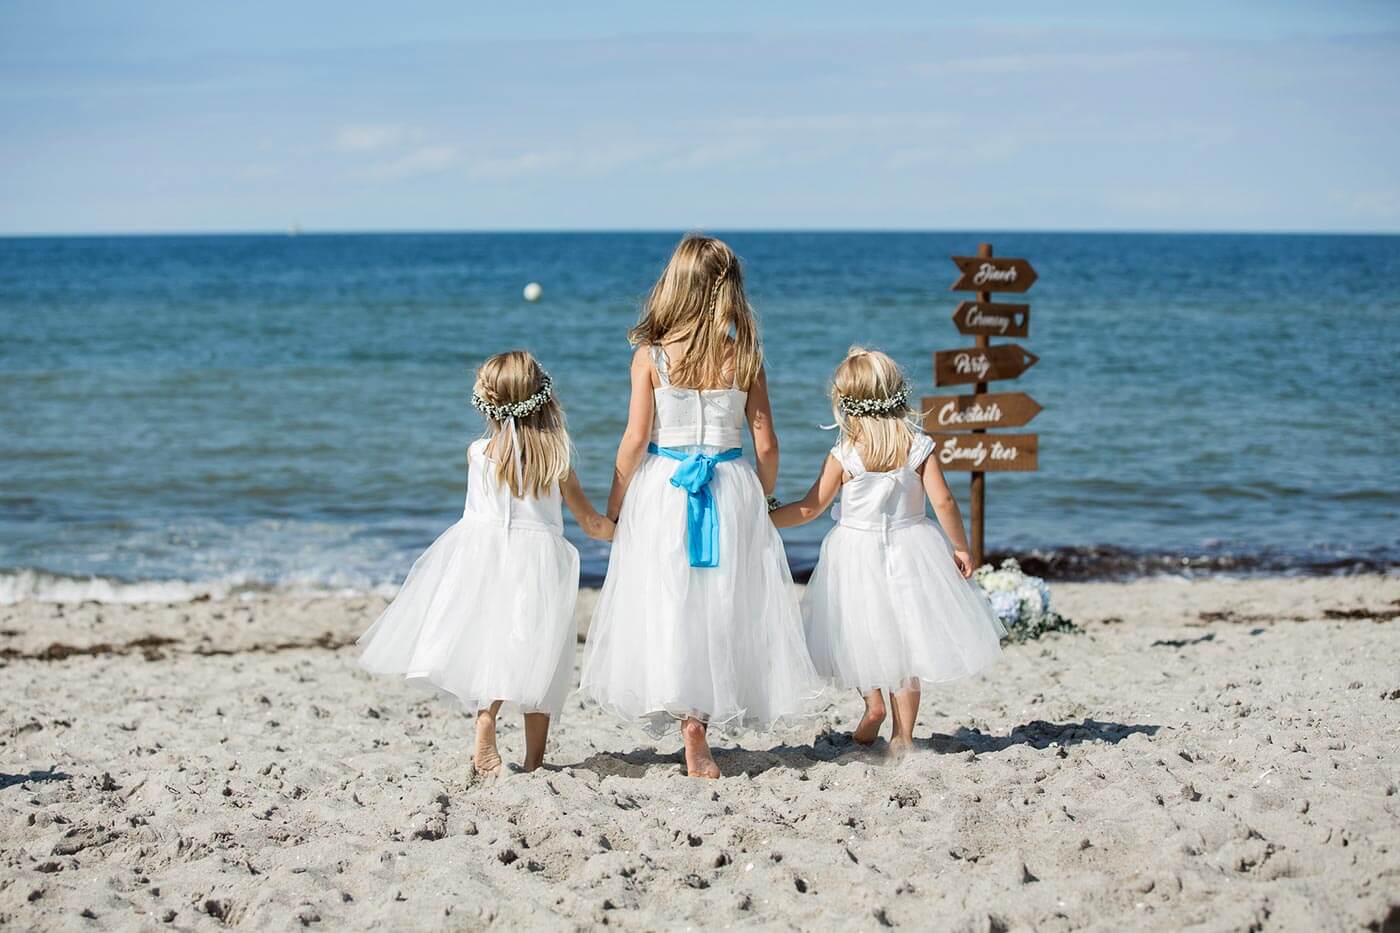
<point x="958" y="424"/>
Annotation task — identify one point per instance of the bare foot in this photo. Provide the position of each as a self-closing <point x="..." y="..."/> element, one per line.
<point x="486" y="759"/>
<point x="869" y="728"/>
<point x="533" y="763"/>
<point x="699" y="762"/>
<point x="899" y="747"/>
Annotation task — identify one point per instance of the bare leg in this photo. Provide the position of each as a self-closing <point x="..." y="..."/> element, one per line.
<point x="699" y="762"/>
<point x="869" y="728"/>
<point x="906" y="712"/>
<point x="536" y="734"/>
<point x="486" y="758"/>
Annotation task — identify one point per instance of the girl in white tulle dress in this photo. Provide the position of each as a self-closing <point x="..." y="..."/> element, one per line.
<point x="890" y="604"/>
<point x="487" y="613"/>
<point x="697" y="622"/>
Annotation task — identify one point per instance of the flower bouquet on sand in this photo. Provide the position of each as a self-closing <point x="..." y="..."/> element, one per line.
<point x="1021" y="601"/>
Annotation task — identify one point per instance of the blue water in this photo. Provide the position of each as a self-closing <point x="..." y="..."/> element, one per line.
<point x="250" y="411"/>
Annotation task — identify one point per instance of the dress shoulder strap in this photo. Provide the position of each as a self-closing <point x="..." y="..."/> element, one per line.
<point x="919" y="449"/>
<point x="658" y="359"/>
<point x="849" y="458"/>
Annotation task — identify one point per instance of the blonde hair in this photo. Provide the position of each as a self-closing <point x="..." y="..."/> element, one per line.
<point x="883" y="438"/>
<point x="542" y="437"/>
<point x="699" y="299"/>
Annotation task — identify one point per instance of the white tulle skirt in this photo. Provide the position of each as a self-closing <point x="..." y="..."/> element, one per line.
<point x="888" y="617"/>
<point x="723" y="644"/>
<point x="486" y="614"/>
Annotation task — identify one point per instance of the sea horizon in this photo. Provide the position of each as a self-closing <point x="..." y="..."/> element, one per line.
<point x="254" y="412"/>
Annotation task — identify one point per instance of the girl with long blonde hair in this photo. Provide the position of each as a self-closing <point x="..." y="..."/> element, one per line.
<point x="487" y="612"/>
<point x="697" y="623"/>
<point x="889" y="605"/>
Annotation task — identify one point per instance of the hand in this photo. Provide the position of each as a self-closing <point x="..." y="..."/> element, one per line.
<point x="609" y="528"/>
<point x="964" y="562"/>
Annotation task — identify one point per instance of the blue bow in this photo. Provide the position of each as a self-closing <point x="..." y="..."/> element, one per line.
<point x="702" y="524"/>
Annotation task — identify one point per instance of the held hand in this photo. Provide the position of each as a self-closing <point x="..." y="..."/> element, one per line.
<point x="964" y="562"/>
<point x="606" y="528"/>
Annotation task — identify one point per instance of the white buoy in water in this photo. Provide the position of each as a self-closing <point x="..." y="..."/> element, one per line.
<point x="533" y="291"/>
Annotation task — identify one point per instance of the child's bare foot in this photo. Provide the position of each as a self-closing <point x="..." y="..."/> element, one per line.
<point x="486" y="759"/>
<point x="869" y="728"/>
<point x="699" y="761"/>
<point x="899" y="747"/>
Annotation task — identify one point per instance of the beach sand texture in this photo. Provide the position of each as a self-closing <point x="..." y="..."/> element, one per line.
<point x="1214" y="754"/>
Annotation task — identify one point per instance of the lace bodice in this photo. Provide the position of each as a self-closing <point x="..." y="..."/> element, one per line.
<point x="705" y="417"/>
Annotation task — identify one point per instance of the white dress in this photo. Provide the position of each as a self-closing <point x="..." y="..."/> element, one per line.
<point x="886" y="606"/>
<point x="487" y="612"/>
<point x="669" y="640"/>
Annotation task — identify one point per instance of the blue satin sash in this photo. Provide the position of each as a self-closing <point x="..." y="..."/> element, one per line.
<point x="693" y="474"/>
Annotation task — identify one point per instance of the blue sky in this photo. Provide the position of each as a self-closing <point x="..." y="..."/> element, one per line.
<point x="164" y="116"/>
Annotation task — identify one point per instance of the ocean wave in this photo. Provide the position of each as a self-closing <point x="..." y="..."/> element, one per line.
<point x="29" y="585"/>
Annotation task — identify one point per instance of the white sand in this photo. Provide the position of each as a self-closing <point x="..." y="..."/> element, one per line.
<point x="1159" y="771"/>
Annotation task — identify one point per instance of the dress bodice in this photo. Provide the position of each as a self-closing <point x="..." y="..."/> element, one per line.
<point x="686" y="417"/>
<point x="883" y="500"/>
<point x="489" y="499"/>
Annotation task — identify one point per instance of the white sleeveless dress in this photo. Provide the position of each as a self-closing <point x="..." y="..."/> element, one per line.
<point x="668" y="640"/>
<point x="886" y="606"/>
<point x="487" y="612"/>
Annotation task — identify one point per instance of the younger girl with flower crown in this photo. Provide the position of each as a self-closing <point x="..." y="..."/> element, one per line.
<point x="487" y="612"/>
<point x="889" y="604"/>
<point x="697" y="623"/>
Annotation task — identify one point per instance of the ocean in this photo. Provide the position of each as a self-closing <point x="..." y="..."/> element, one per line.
<point x="184" y="415"/>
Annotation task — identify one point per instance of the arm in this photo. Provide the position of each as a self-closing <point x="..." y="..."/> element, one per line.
<point x="765" y="437"/>
<point x="946" y="508"/>
<point x="633" y="446"/>
<point x="817" y="500"/>
<point x="594" y="525"/>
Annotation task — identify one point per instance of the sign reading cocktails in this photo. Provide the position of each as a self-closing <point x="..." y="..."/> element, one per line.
<point x="986" y="410"/>
<point x="977" y="451"/>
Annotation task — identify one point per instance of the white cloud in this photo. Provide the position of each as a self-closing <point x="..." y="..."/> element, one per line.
<point x="425" y="160"/>
<point x="370" y="138"/>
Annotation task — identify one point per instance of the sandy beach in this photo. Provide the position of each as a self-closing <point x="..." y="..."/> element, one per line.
<point x="1218" y="754"/>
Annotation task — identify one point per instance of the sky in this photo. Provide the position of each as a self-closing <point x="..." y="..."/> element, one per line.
<point x="256" y="116"/>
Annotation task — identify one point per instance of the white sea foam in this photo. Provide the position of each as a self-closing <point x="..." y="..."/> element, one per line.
<point x="17" y="586"/>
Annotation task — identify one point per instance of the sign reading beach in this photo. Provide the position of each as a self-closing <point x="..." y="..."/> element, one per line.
<point x="977" y="451"/>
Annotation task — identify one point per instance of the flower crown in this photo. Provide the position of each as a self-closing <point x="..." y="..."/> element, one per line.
<point x="894" y="405"/>
<point x="520" y="409"/>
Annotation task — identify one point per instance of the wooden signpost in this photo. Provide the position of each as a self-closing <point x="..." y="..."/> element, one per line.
<point x="977" y="451"/>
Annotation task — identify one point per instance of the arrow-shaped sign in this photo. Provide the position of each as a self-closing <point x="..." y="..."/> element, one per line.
<point x="974" y="412"/>
<point x="981" y="364"/>
<point x="988" y="453"/>
<point x="983" y="318"/>
<point x="993" y="274"/>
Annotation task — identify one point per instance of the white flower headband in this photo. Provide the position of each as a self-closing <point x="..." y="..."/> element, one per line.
<point x="522" y="409"/>
<point x="889" y="407"/>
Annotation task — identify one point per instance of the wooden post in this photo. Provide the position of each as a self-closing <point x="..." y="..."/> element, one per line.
<point x="979" y="479"/>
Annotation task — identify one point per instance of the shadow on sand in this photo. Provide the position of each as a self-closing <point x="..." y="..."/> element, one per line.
<point x="1036" y="734"/>
<point x="10" y="780"/>
<point x="839" y="748"/>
